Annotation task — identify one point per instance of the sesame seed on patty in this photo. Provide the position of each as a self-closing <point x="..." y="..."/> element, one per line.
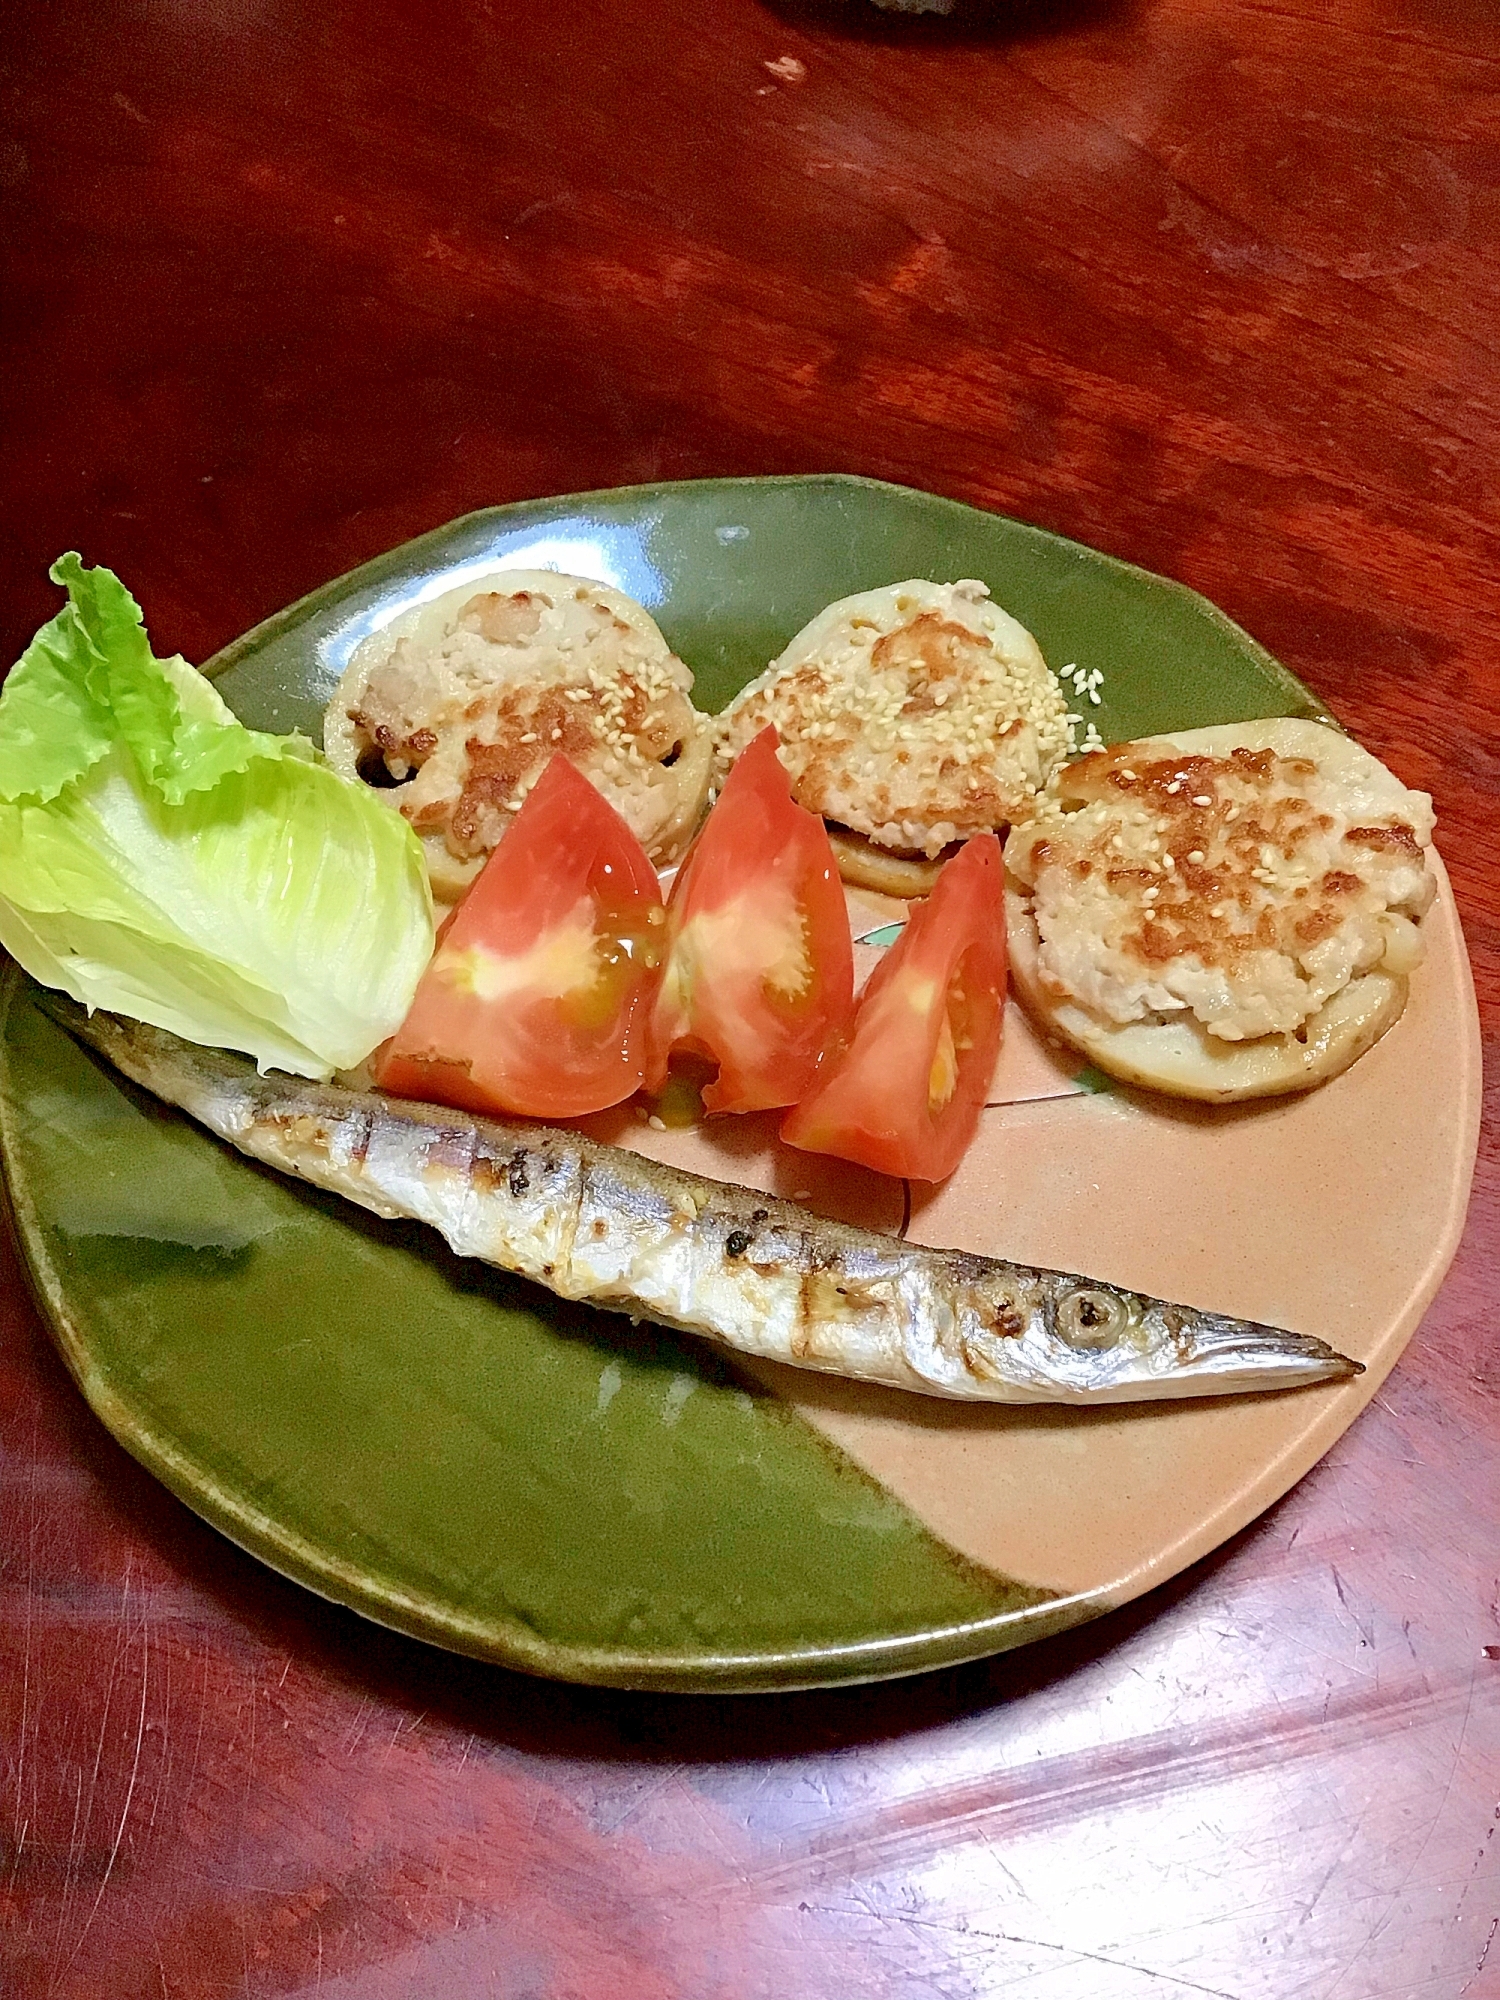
<point x="1240" y="877"/>
<point x="453" y="711"/>
<point x="916" y="715"/>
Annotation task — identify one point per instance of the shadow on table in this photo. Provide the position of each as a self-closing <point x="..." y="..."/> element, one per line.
<point x="240" y="1600"/>
<point x="971" y="22"/>
<point x="556" y="1719"/>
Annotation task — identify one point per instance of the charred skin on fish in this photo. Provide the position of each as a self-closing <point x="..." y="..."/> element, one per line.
<point x="753" y="1273"/>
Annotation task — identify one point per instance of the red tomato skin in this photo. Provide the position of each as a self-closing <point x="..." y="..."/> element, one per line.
<point x="759" y="891"/>
<point x="522" y="1048"/>
<point x="872" y="1103"/>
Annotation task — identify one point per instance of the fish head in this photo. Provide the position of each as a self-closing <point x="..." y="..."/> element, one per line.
<point x="1051" y="1336"/>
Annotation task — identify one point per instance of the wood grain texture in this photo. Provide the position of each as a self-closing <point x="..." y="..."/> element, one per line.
<point x="1206" y="283"/>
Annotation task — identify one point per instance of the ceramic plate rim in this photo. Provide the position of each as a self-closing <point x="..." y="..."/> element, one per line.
<point x="509" y="1641"/>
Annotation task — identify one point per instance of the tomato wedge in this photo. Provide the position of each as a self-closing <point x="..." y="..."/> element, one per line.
<point x="759" y="970"/>
<point x="531" y="1001"/>
<point x="905" y="1093"/>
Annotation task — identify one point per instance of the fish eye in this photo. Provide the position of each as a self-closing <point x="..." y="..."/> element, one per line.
<point x="1089" y="1317"/>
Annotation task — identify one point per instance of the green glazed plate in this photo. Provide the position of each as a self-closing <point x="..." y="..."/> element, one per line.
<point x="448" y="1450"/>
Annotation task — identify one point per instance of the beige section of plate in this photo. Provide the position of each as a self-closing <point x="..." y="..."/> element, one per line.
<point x="1336" y="1213"/>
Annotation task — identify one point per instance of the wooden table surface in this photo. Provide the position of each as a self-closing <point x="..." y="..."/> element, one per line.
<point x="1211" y="284"/>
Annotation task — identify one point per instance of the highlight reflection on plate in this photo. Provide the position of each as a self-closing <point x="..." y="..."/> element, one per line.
<point x="459" y="1455"/>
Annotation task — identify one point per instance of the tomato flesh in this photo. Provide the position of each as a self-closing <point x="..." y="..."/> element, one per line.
<point x="759" y="968"/>
<point x="532" y="1001"/>
<point x="905" y="1092"/>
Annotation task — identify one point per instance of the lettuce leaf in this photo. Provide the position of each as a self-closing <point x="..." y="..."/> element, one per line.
<point x="159" y="859"/>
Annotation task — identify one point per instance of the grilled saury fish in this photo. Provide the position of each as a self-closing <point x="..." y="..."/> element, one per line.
<point x="759" y="1275"/>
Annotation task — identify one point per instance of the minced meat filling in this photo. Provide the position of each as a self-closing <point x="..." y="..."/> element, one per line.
<point x="1247" y="888"/>
<point x="915" y="715"/>
<point x="457" y="727"/>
